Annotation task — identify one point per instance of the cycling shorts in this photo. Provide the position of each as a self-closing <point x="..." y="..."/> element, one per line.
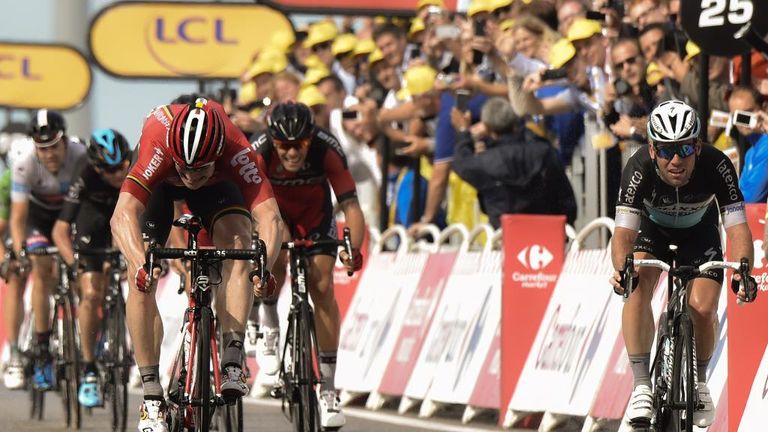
<point x="39" y="226"/>
<point x="695" y="245"/>
<point x="209" y="203"/>
<point x="92" y="230"/>
<point x="325" y="230"/>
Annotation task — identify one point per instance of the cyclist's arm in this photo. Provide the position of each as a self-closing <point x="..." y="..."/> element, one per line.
<point x="269" y="224"/>
<point x="741" y="242"/>
<point x="622" y="243"/>
<point x="62" y="240"/>
<point x="19" y="211"/>
<point x="126" y="233"/>
<point x="354" y="219"/>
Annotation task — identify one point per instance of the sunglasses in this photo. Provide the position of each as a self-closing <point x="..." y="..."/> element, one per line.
<point x="630" y="61"/>
<point x="113" y="169"/>
<point x="321" y="46"/>
<point x="498" y="13"/>
<point x="288" y="145"/>
<point x="669" y="151"/>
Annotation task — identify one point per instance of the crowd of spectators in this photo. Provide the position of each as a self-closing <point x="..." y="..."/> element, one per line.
<point x="483" y="113"/>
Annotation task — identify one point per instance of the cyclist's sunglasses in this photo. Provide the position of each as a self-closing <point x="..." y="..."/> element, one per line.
<point x="299" y="145"/>
<point x="113" y="169"/>
<point x="668" y="151"/>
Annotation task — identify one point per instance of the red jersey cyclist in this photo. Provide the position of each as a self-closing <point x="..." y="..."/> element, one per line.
<point x="192" y="152"/>
<point x="303" y="161"/>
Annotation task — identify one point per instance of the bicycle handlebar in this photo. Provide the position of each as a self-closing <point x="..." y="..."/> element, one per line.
<point x="42" y="251"/>
<point x="741" y="267"/>
<point x="309" y="244"/>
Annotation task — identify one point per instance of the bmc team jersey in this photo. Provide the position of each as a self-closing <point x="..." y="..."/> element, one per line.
<point x="304" y="197"/>
<point x="643" y="193"/>
<point x="238" y="162"/>
<point x="31" y="181"/>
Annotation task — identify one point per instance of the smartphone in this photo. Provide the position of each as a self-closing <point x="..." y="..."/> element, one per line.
<point x="350" y="115"/>
<point x="462" y="100"/>
<point x="719" y="119"/>
<point x="554" y="74"/>
<point x="479" y="27"/>
<point x="745" y="118"/>
<point x="415" y="52"/>
<point x="595" y="16"/>
<point x="447" y="31"/>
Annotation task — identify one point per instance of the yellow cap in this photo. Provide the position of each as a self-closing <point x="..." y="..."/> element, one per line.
<point x="424" y="3"/>
<point x="269" y="61"/>
<point x="257" y="68"/>
<point x="417" y="25"/>
<point x="375" y="57"/>
<point x="478" y="6"/>
<point x="583" y="28"/>
<point x="320" y="32"/>
<point x="380" y="20"/>
<point x="311" y="96"/>
<point x="418" y="80"/>
<point x="561" y="53"/>
<point x="506" y="24"/>
<point x="313" y="61"/>
<point x="247" y="93"/>
<point x="653" y="74"/>
<point x="365" y="46"/>
<point x="344" y="43"/>
<point x="691" y="50"/>
<point x="283" y="40"/>
<point x="497" y="4"/>
<point x="313" y="76"/>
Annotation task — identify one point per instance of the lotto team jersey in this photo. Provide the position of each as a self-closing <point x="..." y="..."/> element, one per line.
<point x="304" y="197"/>
<point x="31" y="181"/>
<point x="713" y="183"/>
<point x="238" y="162"/>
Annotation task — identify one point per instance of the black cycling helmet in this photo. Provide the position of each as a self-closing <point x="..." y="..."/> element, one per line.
<point x="290" y="121"/>
<point x="47" y="127"/>
<point x="107" y="148"/>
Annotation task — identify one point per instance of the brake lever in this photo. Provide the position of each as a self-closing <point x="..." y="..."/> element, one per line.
<point x="348" y="247"/>
<point x="628" y="279"/>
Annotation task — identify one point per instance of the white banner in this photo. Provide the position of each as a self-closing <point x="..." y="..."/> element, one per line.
<point x="371" y="326"/>
<point x="755" y="415"/>
<point x="457" y="372"/>
<point x="565" y="366"/>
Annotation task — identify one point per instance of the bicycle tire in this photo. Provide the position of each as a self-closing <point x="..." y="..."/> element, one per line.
<point x="204" y="411"/>
<point x="37" y="399"/>
<point x="660" y="388"/>
<point x="71" y="363"/>
<point x="231" y="417"/>
<point x="29" y="348"/>
<point x="306" y="375"/>
<point x="682" y="375"/>
<point x="118" y="375"/>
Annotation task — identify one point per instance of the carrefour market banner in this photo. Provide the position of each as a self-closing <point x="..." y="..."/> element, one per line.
<point x="182" y="40"/>
<point x="42" y="76"/>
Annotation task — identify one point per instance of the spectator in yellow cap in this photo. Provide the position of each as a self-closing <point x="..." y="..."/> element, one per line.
<point x="587" y="37"/>
<point x="343" y="49"/>
<point x="500" y="9"/>
<point x="314" y="75"/>
<point x="362" y="52"/>
<point x="419" y="86"/>
<point x="320" y="39"/>
<point x="416" y="31"/>
<point x="314" y="99"/>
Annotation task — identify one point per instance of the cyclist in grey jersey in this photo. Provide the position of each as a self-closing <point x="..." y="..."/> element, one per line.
<point x="39" y="182"/>
<point x="671" y="194"/>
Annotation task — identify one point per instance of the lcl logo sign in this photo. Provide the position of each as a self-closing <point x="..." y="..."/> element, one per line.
<point x="192" y="30"/>
<point x="14" y="67"/>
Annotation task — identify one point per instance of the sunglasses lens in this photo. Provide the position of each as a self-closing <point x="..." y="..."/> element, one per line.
<point x="682" y="150"/>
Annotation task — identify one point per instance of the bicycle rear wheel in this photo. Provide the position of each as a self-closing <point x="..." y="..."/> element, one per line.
<point x="231" y="417"/>
<point x="683" y="382"/>
<point x="203" y="411"/>
<point x="70" y="362"/>
<point x="120" y="357"/>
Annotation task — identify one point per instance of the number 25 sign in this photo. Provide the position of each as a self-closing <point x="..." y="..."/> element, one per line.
<point x="713" y="23"/>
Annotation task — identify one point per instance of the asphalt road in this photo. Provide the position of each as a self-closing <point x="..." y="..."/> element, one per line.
<point x="260" y="415"/>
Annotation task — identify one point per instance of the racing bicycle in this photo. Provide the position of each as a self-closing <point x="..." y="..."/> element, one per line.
<point x="673" y="370"/>
<point x="192" y="396"/>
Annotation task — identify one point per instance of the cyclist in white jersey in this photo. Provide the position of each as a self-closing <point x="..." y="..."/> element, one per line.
<point x="39" y="183"/>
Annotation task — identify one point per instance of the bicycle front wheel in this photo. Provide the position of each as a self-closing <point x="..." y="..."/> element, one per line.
<point x="231" y="417"/>
<point x="305" y="412"/>
<point x="70" y="361"/>
<point x="203" y="410"/>
<point x="683" y="382"/>
<point x="117" y="377"/>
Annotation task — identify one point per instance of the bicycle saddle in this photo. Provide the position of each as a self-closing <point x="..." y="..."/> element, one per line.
<point x="188" y="221"/>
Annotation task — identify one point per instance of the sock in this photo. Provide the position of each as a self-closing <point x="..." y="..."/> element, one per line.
<point x="233" y="349"/>
<point x="701" y="369"/>
<point x="641" y="368"/>
<point x="268" y="315"/>
<point x="328" y="370"/>
<point x="150" y="379"/>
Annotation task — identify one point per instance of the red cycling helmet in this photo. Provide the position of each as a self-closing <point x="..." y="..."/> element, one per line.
<point x="196" y="136"/>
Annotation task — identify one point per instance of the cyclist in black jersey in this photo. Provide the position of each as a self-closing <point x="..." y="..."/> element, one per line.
<point x="88" y="206"/>
<point x="675" y="192"/>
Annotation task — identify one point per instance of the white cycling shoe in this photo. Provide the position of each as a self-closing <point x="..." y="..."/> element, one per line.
<point x="331" y="415"/>
<point x="640" y="406"/>
<point x="152" y="416"/>
<point x="13" y="377"/>
<point x="704" y="414"/>
<point x="233" y="383"/>
<point x="267" y="348"/>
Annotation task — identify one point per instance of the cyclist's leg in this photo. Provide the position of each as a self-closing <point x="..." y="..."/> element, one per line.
<point x="268" y="346"/>
<point x="13" y="310"/>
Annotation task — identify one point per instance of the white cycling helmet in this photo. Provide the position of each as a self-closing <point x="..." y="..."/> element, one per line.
<point x="673" y="121"/>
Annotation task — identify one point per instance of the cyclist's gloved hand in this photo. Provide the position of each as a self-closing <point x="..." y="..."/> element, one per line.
<point x="143" y="277"/>
<point x="357" y="260"/>
<point x="72" y="272"/>
<point x="745" y="291"/>
<point x="266" y="289"/>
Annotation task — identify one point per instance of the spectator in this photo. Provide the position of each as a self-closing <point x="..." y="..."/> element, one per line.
<point x="754" y="177"/>
<point x="314" y="99"/>
<point x="630" y="99"/>
<point x="513" y="170"/>
<point x="568" y="11"/>
<point x="286" y="86"/>
<point x="392" y="42"/>
<point x="645" y="12"/>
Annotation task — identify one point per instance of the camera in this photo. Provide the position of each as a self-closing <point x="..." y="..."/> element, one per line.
<point x="477" y="56"/>
<point x="554" y="74"/>
<point x="622" y="87"/>
<point x="745" y="119"/>
<point x="350" y="115"/>
<point x="462" y="100"/>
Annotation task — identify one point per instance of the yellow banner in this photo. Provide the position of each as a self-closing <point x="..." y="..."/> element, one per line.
<point x="42" y="76"/>
<point x="183" y="40"/>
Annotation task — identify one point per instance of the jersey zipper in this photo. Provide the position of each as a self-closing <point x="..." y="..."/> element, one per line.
<point x="677" y="212"/>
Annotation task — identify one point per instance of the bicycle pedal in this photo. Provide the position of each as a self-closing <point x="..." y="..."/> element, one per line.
<point x="276" y="392"/>
<point x="640" y="424"/>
